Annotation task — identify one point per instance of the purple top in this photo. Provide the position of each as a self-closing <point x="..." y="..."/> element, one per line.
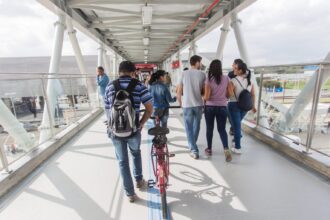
<point x="218" y="92"/>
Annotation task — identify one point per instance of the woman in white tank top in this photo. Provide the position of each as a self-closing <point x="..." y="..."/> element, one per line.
<point x="236" y="86"/>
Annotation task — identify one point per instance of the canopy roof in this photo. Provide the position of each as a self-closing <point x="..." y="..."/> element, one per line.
<point x="152" y="30"/>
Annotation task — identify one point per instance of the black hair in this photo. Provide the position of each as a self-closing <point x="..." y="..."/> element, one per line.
<point x="155" y="76"/>
<point x="238" y="61"/>
<point x="100" y="68"/>
<point x="245" y="70"/>
<point x="195" y="59"/>
<point x="186" y="68"/>
<point x="126" y="67"/>
<point x="215" y="71"/>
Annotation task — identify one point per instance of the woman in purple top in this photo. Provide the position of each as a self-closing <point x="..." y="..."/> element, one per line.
<point x="216" y="86"/>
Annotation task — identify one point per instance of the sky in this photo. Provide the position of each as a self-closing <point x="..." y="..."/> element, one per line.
<point x="275" y="32"/>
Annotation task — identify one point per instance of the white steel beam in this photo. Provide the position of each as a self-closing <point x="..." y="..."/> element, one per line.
<point x="100" y="55"/>
<point x="236" y="24"/>
<point x="223" y="38"/>
<point x="80" y="61"/>
<point x="47" y="124"/>
<point x="14" y="128"/>
<point x="303" y="99"/>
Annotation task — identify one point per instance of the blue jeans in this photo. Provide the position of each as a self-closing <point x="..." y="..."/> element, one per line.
<point x="220" y="114"/>
<point x="236" y="117"/>
<point x="192" y="121"/>
<point x="121" y="145"/>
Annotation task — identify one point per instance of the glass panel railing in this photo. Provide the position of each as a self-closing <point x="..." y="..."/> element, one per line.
<point x="321" y="137"/>
<point x="28" y="101"/>
<point x="286" y="100"/>
<point x="24" y="100"/>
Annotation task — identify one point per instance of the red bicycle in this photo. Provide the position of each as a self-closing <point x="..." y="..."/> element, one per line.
<point x="160" y="162"/>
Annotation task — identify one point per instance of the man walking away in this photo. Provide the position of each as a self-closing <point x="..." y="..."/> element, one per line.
<point x="192" y="85"/>
<point x="122" y="104"/>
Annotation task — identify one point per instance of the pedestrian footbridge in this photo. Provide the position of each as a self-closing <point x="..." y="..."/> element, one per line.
<point x="58" y="163"/>
<point x="82" y="181"/>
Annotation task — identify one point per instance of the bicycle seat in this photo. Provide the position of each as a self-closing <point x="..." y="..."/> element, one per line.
<point x="158" y="131"/>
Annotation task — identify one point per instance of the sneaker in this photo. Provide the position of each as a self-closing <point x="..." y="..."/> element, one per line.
<point x="236" y="151"/>
<point x="141" y="184"/>
<point x="228" y="155"/>
<point x="132" y="198"/>
<point x="194" y="155"/>
<point x="233" y="143"/>
<point x="208" y="152"/>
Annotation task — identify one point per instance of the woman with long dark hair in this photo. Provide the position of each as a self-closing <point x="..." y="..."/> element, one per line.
<point x="216" y="106"/>
<point x="241" y="82"/>
<point x="161" y="95"/>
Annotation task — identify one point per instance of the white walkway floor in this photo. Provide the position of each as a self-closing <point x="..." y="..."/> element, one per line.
<point x="82" y="182"/>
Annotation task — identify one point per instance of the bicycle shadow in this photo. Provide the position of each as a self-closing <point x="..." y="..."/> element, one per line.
<point x="209" y="201"/>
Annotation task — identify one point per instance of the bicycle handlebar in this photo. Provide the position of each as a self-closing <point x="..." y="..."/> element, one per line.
<point x="152" y="117"/>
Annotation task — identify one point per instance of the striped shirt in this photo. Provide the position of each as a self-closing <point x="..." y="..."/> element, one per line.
<point x="140" y="94"/>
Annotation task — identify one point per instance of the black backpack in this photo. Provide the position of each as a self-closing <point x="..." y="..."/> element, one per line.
<point x="122" y="123"/>
<point x="244" y="100"/>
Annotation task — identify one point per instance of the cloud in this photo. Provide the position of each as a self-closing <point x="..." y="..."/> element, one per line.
<point x="280" y="31"/>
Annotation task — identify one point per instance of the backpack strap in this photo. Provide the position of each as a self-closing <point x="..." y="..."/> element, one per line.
<point x="240" y="83"/>
<point x="116" y="85"/>
<point x="131" y="86"/>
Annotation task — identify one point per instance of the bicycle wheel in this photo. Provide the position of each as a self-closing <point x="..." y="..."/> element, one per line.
<point x="164" y="205"/>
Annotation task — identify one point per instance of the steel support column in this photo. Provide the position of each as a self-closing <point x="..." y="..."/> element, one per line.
<point x="100" y="55"/>
<point x="46" y="127"/>
<point x="106" y="61"/>
<point x="80" y="61"/>
<point x="223" y="38"/>
<point x="236" y="25"/>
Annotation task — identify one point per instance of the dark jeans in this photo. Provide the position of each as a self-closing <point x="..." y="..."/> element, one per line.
<point x="220" y="114"/>
<point x="236" y="117"/>
<point x="121" y="145"/>
<point x="163" y="115"/>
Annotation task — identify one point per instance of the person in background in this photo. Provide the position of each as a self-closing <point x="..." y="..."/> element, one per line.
<point x="191" y="83"/>
<point x="232" y="75"/>
<point x="161" y="96"/>
<point x="216" y="85"/>
<point x="168" y="80"/>
<point x="102" y="80"/>
<point x="236" y="86"/>
<point x="140" y="95"/>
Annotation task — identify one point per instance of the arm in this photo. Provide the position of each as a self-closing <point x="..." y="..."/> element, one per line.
<point x="147" y="113"/>
<point x="230" y="90"/>
<point x="103" y="81"/>
<point x="179" y="91"/>
<point x="207" y="92"/>
<point x="107" y="104"/>
<point x="254" y="109"/>
<point x="168" y="95"/>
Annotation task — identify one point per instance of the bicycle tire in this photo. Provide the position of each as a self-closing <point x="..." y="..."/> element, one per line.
<point x="164" y="205"/>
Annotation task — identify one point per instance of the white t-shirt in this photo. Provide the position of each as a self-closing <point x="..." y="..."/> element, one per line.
<point x="193" y="82"/>
<point x="240" y="83"/>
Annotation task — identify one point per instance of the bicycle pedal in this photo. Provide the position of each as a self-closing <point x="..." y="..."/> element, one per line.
<point x="151" y="183"/>
<point x="171" y="155"/>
